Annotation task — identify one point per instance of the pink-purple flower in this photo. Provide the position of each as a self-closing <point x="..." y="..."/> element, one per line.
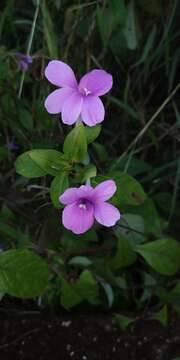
<point x="11" y="145"/>
<point x="75" y="100"/>
<point x="24" y="61"/>
<point x="86" y="204"/>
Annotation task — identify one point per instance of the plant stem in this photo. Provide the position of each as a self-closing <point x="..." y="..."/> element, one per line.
<point x="29" y="45"/>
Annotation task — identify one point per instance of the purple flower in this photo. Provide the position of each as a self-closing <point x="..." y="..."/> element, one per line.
<point x="73" y="99"/>
<point x="85" y="204"/>
<point x="24" y="61"/>
<point x="11" y="145"/>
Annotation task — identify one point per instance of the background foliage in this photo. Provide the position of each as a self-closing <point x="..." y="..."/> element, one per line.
<point x="135" y="266"/>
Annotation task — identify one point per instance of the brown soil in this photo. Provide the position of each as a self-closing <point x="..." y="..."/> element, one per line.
<point x="33" y="335"/>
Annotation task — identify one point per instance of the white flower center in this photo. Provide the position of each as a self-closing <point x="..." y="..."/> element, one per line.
<point x="86" y="91"/>
<point x="83" y="206"/>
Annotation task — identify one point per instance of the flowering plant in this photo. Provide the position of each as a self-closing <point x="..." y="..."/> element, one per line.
<point x="75" y="101"/>
<point x="106" y="223"/>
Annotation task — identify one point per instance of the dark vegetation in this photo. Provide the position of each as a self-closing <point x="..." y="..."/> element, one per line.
<point x="133" y="269"/>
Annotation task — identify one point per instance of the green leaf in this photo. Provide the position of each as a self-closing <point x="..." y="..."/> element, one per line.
<point x="75" y="145"/>
<point x="59" y="184"/>
<point x="13" y="233"/>
<point x="163" y="255"/>
<point x="49" y="32"/>
<point x="132" y="227"/>
<point x="123" y="321"/>
<point x="119" y="11"/>
<point x="81" y="261"/>
<point x="108" y="291"/>
<point x="26" y="167"/>
<point x="69" y="296"/>
<point x="37" y="163"/>
<point x="130" y="29"/>
<point x="52" y="161"/>
<point x="129" y="190"/>
<point x="162" y="316"/>
<point x="119" y="48"/>
<point x="125" y="256"/>
<point x="85" y="288"/>
<point x="151" y="217"/>
<point x="100" y="151"/>
<point x="169" y="296"/>
<point x="25" y="118"/>
<point x="105" y="21"/>
<point x="23" y="273"/>
<point x="92" y="133"/>
<point x="110" y="18"/>
<point x="6" y="213"/>
<point x="152" y="221"/>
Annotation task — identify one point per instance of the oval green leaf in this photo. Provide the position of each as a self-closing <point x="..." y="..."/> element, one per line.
<point x="59" y="184"/>
<point x="75" y="144"/>
<point x="92" y="133"/>
<point x="163" y="255"/>
<point x="23" y="273"/>
<point x="37" y="163"/>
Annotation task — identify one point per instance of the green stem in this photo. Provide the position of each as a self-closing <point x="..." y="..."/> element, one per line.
<point x="29" y="46"/>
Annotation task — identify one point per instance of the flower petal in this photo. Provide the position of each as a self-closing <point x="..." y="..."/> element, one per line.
<point x="92" y="110"/>
<point x="60" y="74"/>
<point x="98" y="82"/>
<point x="55" y="101"/>
<point x="104" y="191"/>
<point x="23" y="65"/>
<point x="72" y="108"/>
<point x="69" y="196"/>
<point x="106" y="214"/>
<point x="77" y="219"/>
<point x="86" y="192"/>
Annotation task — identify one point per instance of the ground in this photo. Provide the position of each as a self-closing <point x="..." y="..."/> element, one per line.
<point x="31" y="335"/>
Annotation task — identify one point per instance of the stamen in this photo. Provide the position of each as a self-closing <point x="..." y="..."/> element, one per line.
<point x="87" y="92"/>
<point x="83" y="206"/>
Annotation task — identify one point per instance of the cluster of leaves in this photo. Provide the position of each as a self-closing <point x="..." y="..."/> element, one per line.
<point x="135" y="265"/>
<point x="131" y="264"/>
